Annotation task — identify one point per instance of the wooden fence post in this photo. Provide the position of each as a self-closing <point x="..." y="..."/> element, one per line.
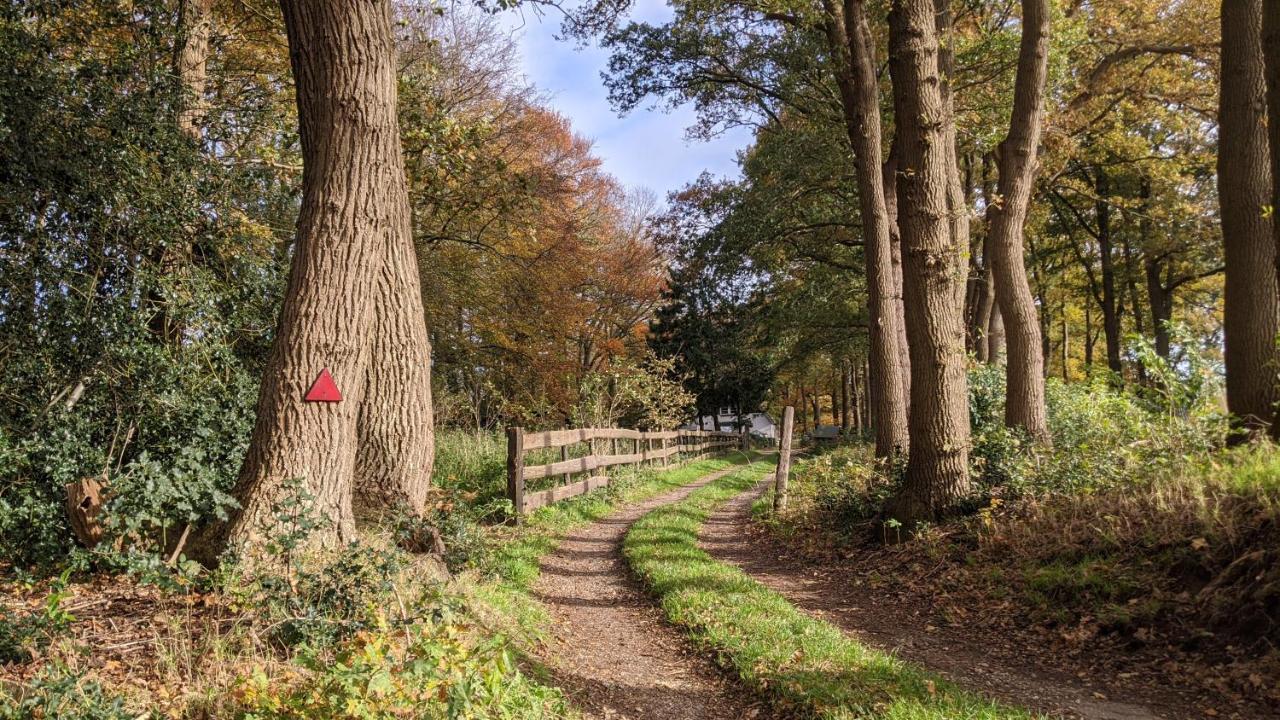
<point x="515" y="469"/>
<point x="783" y="474"/>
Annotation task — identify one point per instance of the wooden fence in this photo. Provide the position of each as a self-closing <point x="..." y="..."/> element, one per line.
<point x="605" y="448"/>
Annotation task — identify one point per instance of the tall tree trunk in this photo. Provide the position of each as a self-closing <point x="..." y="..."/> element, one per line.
<point x="396" y="424"/>
<point x="849" y="38"/>
<point x="889" y="174"/>
<point x="1161" y="299"/>
<point x="1271" y="75"/>
<point x="986" y="302"/>
<point x="957" y="204"/>
<point x="995" y="337"/>
<point x="1106" y="259"/>
<point x="937" y="467"/>
<point x="1066" y="346"/>
<point x="1088" y="336"/>
<point x="1244" y="188"/>
<point x="350" y="304"/>
<point x="190" y="60"/>
<point x="846" y="420"/>
<point x="1024" y="388"/>
<point x="1159" y="296"/>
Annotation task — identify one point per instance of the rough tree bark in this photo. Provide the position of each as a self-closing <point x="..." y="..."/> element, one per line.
<point x="889" y="175"/>
<point x="958" y="206"/>
<point x="849" y="38"/>
<point x="1244" y="188"/>
<point x="190" y="59"/>
<point x="1016" y="156"/>
<point x="351" y="304"/>
<point x="937" y="468"/>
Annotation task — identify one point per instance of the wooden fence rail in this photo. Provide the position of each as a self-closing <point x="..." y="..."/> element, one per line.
<point x="606" y="447"/>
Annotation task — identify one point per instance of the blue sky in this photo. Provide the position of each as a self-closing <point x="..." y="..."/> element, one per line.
<point x="646" y="148"/>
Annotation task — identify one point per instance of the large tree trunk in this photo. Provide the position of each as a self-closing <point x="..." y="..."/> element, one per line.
<point x="190" y="58"/>
<point x="352" y="303"/>
<point x="1024" y="388"/>
<point x="937" y="468"/>
<point x="850" y="40"/>
<point x="957" y="205"/>
<point x="889" y="175"/>
<point x="1244" y="188"/>
<point x="397" y="428"/>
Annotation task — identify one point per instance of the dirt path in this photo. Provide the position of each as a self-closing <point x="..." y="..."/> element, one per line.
<point x="612" y="652"/>
<point x="1015" y="675"/>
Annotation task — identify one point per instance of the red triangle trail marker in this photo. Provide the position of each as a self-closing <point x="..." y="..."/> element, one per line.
<point x="324" y="389"/>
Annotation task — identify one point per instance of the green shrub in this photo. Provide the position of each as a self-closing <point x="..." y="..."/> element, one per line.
<point x="22" y="635"/>
<point x="57" y="694"/>
<point x="431" y="669"/>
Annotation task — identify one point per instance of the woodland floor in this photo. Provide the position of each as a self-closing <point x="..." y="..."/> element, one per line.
<point x="610" y="649"/>
<point x="1023" y="668"/>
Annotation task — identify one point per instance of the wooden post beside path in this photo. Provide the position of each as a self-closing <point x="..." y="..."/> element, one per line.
<point x="783" y="474"/>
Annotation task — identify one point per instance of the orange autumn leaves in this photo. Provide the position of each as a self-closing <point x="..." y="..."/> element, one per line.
<point x="537" y="267"/>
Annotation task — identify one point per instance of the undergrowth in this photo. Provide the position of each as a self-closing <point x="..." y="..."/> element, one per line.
<point x="801" y="663"/>
<point x="367" y="631"/>
<point x="1134" y="522"/>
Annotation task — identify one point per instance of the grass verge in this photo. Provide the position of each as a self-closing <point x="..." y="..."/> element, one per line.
<point x="511" y="567"/>
<point x="800" y="663"/>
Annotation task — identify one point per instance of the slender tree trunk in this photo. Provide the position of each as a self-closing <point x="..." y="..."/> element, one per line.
<point x="1066" y="346"/>
<point x="1024" y="387"/>
<point x="845" y="416"/>
<point x="1106" y="259"/>
<point x="1159" y="296"/>
<point x="995" y="337"/>
<point x="976" y="286"/>
<point x="1161" y="300"/>
<point x="937" y="467"/>
<point x="1131" y="284"/>
<point x="190" y="58"/>
<point x="986" y="303"/>
<point x="349" y="306"/>
<point x="849" y="38"/>
<point x="1088" y="336"/>
<point x="1244" y="188"/>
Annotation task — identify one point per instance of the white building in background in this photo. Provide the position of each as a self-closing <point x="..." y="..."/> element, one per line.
<point x="726" y="419"/>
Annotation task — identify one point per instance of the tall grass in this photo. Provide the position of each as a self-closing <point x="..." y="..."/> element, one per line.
<point x="471" y="462"/>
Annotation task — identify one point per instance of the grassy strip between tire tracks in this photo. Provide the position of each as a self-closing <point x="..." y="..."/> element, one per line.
<point x="800" y="663"/>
